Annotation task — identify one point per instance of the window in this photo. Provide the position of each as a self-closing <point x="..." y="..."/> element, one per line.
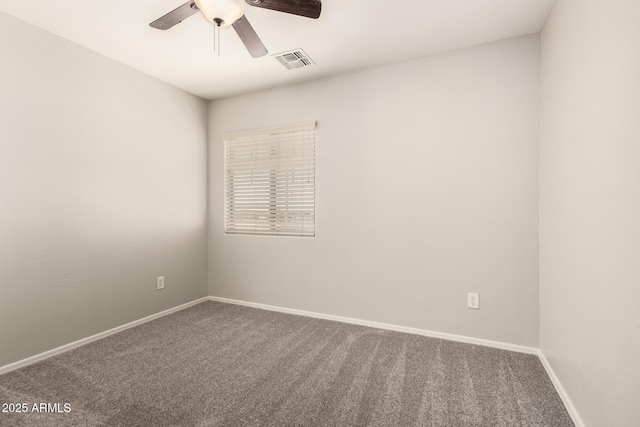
<point x="270" y="181"/>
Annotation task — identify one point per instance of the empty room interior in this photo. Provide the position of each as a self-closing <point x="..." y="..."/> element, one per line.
<point x="320" y="213"/>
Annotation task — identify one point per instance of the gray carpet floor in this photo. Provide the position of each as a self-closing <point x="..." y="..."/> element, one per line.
<point x="218" y="364"/>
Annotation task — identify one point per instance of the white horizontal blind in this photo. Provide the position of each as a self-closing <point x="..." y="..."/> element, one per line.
<point x="270" y="181"/>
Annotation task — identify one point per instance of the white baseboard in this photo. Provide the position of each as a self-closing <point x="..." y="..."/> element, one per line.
<point x="380" y="325"/>
<point x="38" y="357"/>
<point x="571" y="409"/>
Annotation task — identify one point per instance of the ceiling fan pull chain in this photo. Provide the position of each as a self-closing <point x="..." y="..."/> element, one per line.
<point x="217" y="22"/>
<point x="216" y="39"/>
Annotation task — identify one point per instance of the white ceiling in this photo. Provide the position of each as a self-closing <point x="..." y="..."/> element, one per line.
<point x="349" y="35"/>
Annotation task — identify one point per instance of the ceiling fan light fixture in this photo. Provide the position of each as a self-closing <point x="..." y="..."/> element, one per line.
<point x="221" y="12"/>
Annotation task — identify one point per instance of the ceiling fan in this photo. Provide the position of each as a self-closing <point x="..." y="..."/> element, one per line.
<point x="223" y="13"/>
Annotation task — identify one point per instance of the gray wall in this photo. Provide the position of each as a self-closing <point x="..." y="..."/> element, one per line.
<point x="102" y="188"/>
<point x="590" y="206"/>
<point x="427" y="188"/>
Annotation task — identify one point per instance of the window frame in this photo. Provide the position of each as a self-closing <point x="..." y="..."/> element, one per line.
<point x="293" y="174"/>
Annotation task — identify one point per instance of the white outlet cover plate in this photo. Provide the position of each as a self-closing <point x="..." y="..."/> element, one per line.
<point x="473" y="301"/>
<point x="160" y="283"/>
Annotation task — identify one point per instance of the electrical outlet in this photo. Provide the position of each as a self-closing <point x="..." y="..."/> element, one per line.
<point x="160" y="283"/>
<point x="473" y="301"/>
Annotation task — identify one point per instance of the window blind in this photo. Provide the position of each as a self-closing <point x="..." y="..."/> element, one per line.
<point x="270" y="181"/>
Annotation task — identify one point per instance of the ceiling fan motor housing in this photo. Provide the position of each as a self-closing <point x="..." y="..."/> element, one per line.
<point x="221" y="12"/>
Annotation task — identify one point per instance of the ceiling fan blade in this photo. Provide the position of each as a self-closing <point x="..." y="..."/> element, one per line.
<point x="306" y="8"/>
<point x="176" y="16"/>
<point x="249" y="37"/>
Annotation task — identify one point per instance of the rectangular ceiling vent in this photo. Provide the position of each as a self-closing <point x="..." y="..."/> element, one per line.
<point x="294" y="59"/>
